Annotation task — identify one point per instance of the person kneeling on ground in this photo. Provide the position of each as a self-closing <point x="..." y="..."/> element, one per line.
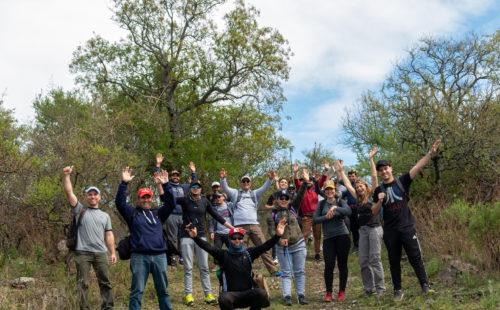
<point x="236" y="262"/>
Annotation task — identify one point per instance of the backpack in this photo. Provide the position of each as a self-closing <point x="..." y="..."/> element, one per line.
<point x="123" y="247"/>
<point x="71" y="230"/>
<point x="275" y="214"/>
<point x="253" y="196"/>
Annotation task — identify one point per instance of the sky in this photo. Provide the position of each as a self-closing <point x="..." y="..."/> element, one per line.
<point x="341" y="48"/>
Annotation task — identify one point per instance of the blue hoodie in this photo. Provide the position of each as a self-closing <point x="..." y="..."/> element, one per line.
<point x="146" y="235"/>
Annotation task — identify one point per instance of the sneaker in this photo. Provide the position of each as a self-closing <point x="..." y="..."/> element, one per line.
<point x="210" y="299"/>
<point x="288" y="300"/>
<point x="354" y="250"/>
<point x="328" y="297"/>
<point x="427" y="289"/>
<point x="188" y="300"/>
<point x="366" y="294"/>
<point x="341" y="296"/>
<point x="398" y="295"/>
<point x="302" y="300"/>
<point x="317" y="257"/>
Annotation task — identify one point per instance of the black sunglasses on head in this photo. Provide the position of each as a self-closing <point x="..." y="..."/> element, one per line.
<point x="236" y="237"/>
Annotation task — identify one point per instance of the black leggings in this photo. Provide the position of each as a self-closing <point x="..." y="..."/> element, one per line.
<point x="336" y="247"/>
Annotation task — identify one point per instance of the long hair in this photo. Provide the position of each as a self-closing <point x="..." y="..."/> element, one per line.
<point x="366" y="196"/>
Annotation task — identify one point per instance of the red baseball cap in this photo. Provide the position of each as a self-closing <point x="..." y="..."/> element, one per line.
<point x="145" y="191"/>
<point x="236" y="231"/>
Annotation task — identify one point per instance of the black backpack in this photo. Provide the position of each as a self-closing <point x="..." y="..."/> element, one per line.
<point x="123" y="247"/>
<point x="71" y="230"/>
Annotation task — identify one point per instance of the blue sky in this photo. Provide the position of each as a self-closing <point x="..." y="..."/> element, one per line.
<point x="341" y="48"/>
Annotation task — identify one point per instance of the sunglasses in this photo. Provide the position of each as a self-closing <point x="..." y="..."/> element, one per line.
<point x="284" y="198"/>
<point x="237" y="238"/>
<point x="195" y="186"/>
<point x="245" y="181"/>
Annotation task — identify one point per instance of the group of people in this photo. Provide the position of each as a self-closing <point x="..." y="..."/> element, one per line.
<point x="381" y="214"/>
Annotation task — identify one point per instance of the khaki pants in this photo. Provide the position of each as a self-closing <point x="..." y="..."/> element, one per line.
<point x="100" y="262"/>
<point x="254" y="232"/>
<point x="307" y="223"/>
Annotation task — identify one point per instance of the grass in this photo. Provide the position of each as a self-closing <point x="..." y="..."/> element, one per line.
<point x="55" y="288"/>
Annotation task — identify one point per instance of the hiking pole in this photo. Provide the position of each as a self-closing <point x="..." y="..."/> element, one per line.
<point x="291" y="270"/>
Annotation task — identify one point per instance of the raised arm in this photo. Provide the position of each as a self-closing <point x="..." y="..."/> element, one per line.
<point x="424" y="160"/>
<point x="68" y="188"/>
<point x="215" y="252"/>
<point x="262" y="190"/>
<point x="296" y="175"/>
<point x="347" y="183"/>
<point x="233" y="193"/>
<point x="373" y="168"/>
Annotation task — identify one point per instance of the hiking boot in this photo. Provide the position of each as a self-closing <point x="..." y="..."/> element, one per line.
<point x="328" y="297"/>
<point x="317" y="257"/>
<point x="302" y="300"/>
<point x="398" y="295"/>
<point x="354" y="250"/>
<point x="188" y="300"/>
<point x="341" y="296"/>
<point x="288" y="300"/>
<point x="210" y="299"/>
<point x="427" y="289"/>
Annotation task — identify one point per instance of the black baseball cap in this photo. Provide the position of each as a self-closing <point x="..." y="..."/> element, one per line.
<point x="382" y="163"/>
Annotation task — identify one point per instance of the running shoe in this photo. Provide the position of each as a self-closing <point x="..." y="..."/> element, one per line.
<point x="210" y="299"/>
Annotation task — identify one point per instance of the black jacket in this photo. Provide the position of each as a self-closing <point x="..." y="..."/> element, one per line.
<point x="238" y="268"/>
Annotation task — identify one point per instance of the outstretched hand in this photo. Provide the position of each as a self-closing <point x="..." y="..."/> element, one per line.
<point x="161" y="177"/>
<point x="127" y="175"/>
<point x="326" y="164"/>
<point x="305" y="174"/>
<point x="193" y="232"/>
<point x="67" y="170"/>
<point x="223" y="173"/>
<point x="435" y="146"/>
<point x="192" y="167"/>
<point x="159" y="159"/>
<point x="295" y="168"/>
<point x="280" y="229"/>
<point x="338" y="164"/>
<point x="271" y="174"/>
<point x="373" y="152"/>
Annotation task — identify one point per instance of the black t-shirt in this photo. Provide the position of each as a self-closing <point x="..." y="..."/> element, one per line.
<point x="366" y="217"/>
<point x="194" y="211"/>
<point x="397" y="215"/>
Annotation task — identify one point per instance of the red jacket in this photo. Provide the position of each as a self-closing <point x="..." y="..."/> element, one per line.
<point x="310" y="200"/>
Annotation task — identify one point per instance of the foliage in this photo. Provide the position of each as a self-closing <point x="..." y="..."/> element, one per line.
<point x="446" y="89"/>
<point x="315" y="158"/>
<point x="175" y="61"/>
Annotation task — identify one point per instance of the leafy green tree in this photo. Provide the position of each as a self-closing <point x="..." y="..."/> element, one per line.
<point x="175" y="59"/>
<point x="315" y="158"/>
<point x="445" y="89"/>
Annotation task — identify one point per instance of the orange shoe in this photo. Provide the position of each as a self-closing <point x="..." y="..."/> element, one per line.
<point x="328" y="297"/>
<point x="341" y="296"/>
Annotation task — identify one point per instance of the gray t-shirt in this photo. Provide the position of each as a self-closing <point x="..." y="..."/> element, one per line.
<point x="92" y="230"/>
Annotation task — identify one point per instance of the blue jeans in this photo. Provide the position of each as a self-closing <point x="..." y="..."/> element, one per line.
<point x="297" y="253"/>
<point x="140" y="266"/>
